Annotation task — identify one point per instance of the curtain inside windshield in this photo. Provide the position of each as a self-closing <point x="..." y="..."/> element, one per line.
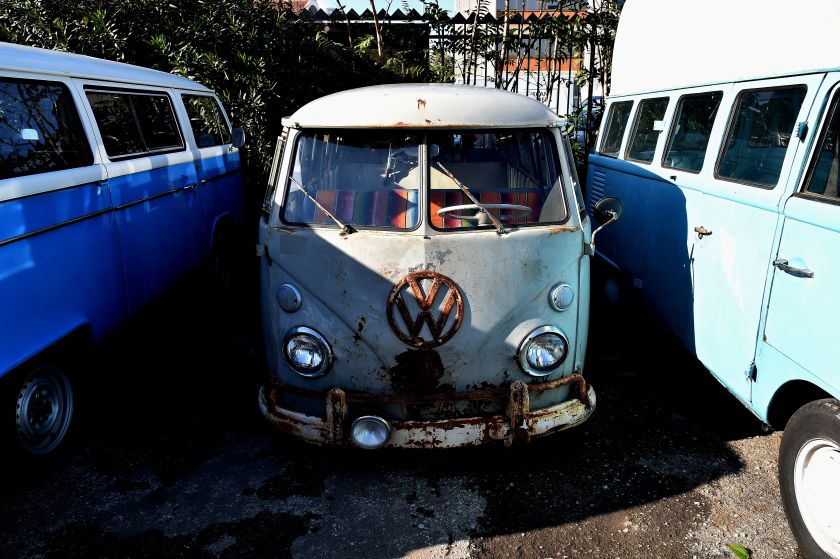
<point x="364" y="178"/>
<point x="514" y="174"/>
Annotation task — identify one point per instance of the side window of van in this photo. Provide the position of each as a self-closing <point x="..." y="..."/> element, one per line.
<point x="208" y="125"/>
<point x="645" y="134"/>
<point x="40" y="129"/>
<point x="614" y="132"/>
<point x="693" y="121"/>
<point x="135" y="124"/>
<point x="759" y="133"/>
<point x="824" y="173"/>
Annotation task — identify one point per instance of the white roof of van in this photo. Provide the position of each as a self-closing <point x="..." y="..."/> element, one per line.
<point x="423" y="106"/>
<point x="30" y="59"/>
<point x="670" y="44"/>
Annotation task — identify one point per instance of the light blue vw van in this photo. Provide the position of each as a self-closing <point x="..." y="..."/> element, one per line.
<point x="114" y="182"/>
<point x="727" y="161"/>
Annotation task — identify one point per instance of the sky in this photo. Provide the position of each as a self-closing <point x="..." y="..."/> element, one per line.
<point x="362" y="5"/>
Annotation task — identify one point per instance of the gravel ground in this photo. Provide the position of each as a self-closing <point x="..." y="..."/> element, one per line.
<point x="172" y="460"/>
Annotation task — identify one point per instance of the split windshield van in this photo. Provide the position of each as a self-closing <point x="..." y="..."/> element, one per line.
<point x="115" y="181"/>
<point x="721" y="138"/>
<point x="425" y="271"/>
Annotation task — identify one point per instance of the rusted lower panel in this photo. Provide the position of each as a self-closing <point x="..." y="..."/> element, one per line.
<point x="481" y="394"/>
<point x="518" y="410"/>
<point x="519" y="425"/>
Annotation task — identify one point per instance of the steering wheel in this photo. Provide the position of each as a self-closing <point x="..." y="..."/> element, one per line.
<point x="522" y="211"/>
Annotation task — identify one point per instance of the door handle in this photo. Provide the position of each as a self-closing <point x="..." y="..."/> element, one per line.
<point x="701" y="232"/>
<point x="190" y="187"/>
<point x="782" y="264"/>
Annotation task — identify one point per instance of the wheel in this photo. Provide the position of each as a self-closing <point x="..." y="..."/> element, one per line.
<point x="809" y="478"/>
<point x="43" y="405"/>
<point x="521" y="211"/>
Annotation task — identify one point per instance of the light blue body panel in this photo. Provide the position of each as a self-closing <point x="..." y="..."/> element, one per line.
<point x="720" y="292"/>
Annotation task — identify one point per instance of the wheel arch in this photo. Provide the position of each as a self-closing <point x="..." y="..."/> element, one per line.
<point x="789" y="397"/>
<point x="69" y="344"/>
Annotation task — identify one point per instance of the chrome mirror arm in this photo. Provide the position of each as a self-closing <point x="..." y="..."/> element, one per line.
<point x="590" y="248"/>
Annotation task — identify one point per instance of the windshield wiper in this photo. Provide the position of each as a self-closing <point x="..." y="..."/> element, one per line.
<point x="345" y="229"/>
<point x="498" y="224"/>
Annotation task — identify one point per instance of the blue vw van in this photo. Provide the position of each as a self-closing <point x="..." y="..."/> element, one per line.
<point x="727" y="161"/>
<point x="114" y="182"/>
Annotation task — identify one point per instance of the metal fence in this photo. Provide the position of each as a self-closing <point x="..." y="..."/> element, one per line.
<point x="530" y="52"/>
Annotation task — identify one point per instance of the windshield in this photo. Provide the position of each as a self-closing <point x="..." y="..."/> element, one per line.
<point x="476" y="179"/>
<point x="364" y="178"/>
<point x="514" y="174"/>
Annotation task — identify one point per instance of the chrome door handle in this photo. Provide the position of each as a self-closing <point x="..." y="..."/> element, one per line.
<point x="782" y="264"/>
<point x="701" y="232"/>
<point x="190" y="187"/>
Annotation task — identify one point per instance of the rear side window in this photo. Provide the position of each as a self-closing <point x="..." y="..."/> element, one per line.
<point x="824" y="173"/>
<point x="135" y="124"/>
<point x="40" y="129"/>
<point x="693" y="121"/>
<point x="646" y="130"/>
<point x="759" y="134"/>
<point x="206" y="120"/>
<point x="614" y="132"/>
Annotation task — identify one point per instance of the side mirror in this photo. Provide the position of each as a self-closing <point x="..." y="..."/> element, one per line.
<point x="237" y="137"/>
<point x="607" y="211"/>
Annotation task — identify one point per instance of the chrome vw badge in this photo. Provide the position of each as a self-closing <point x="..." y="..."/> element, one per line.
<point x="417" y="298"/>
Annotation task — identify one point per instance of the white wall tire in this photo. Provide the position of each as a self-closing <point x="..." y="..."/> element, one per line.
<point x="809" y="478"/>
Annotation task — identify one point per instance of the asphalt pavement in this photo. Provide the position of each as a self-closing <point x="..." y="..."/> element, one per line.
<point x="172" y="460"/>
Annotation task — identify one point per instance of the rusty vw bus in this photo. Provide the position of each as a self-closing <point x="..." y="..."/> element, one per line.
<point x="425" y="271"/>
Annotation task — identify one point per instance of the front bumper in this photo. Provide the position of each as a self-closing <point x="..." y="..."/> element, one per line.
<point x="518" y="425"/>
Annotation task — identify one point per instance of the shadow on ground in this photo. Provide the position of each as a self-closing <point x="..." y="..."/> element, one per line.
<point x="173" y="460"/>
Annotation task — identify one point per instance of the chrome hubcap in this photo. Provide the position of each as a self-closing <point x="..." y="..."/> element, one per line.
<point x="44" y="410"/>
<point x="816" y="483"/>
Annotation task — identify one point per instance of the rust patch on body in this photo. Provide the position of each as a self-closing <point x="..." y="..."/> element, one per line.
<point x="563" y="229"/>
<point x="421" y="104"/>
<point x="417" y="370"/>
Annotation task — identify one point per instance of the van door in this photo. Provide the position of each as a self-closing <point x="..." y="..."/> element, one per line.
<point x="736" y="227"/>
<point x="217" y="165"/>
<point x="803" y="310"/>
<point x="152" y="180"/>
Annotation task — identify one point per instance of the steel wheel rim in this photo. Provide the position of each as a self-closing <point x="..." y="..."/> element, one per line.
<point x="815" y="483"/>
<point x="43" y="410"/>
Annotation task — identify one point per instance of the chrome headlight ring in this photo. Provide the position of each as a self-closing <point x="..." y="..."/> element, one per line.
<point x="307" y="352"/>
<point x="542" y="351"/>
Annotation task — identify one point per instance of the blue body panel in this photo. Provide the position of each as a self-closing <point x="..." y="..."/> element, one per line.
<point x="158" y="223"/>
<point x="83" y="258"/>
<point x="61" y="279"/>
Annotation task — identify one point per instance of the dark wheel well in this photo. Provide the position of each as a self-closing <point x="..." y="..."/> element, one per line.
<point x="789" y="398"/>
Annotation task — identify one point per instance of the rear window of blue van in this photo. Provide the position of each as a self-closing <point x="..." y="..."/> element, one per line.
<point x="40" y="129"/>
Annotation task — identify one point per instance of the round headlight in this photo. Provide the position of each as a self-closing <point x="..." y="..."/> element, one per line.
<point x="543" y="351"/>
<point x="307" y="352"/>
<point x="561" y="297"/>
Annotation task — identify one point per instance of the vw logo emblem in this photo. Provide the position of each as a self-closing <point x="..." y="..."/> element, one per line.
<point x="434" y="296"/>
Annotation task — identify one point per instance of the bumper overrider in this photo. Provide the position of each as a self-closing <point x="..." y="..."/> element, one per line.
<point x="518" y="425"/>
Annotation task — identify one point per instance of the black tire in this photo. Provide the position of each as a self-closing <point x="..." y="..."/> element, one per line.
<point x="38" y="413"/>
<point x="812" y="436"/>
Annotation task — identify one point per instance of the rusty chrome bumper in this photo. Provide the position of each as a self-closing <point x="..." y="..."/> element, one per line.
<point x="518" y="425"/>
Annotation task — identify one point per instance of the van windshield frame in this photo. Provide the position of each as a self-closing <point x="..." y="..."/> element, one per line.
<point x="388" y="179"/>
